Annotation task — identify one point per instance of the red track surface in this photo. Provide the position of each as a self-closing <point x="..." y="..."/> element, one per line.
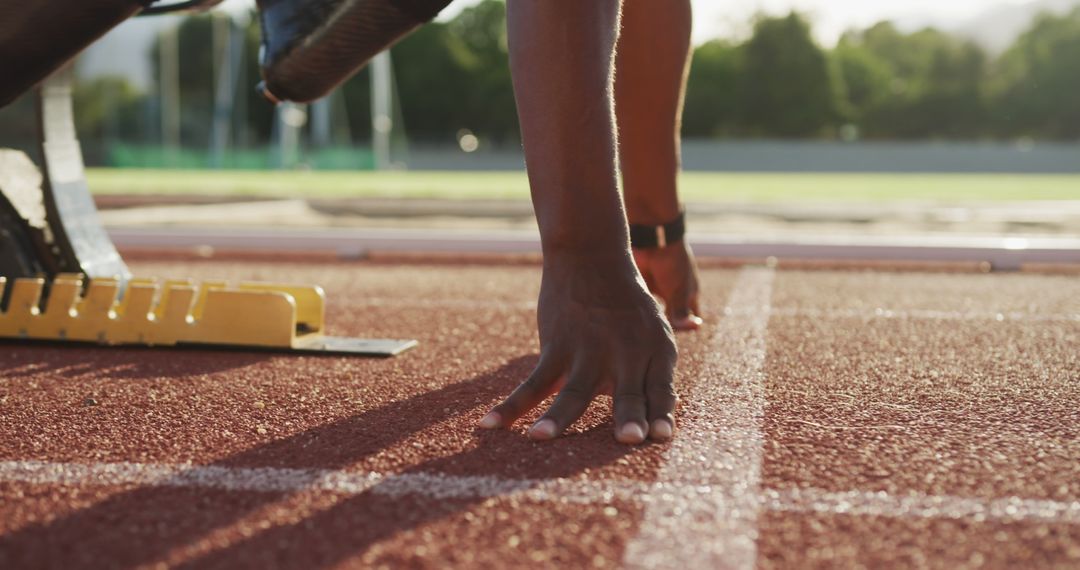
<point x="907" y="419"/>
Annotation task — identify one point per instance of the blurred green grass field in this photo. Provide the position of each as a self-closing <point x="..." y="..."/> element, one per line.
<point x="696" y="186"/>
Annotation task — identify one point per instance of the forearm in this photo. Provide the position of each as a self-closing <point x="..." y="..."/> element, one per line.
<point x="652" y="65"/>
<point x="561" y="57"/>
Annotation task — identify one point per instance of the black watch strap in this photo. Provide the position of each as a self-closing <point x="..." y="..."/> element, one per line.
<point x="651" y="237"/>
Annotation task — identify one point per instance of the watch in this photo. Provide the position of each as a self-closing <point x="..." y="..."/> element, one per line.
<point x="652" y="237"/>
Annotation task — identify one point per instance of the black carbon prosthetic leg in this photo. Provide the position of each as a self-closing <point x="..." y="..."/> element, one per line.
<point x="309" y="47"/>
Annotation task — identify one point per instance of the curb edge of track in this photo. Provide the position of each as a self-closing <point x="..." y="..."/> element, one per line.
<point x="996" y="253"/>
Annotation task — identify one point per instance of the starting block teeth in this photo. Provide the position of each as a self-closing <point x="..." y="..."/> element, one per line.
<point x="152" y="313"/>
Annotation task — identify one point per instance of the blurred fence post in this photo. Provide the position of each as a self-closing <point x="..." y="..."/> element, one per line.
<point x="169" y="85"/>
<point x="229" y="40"/>
<point x="382" y="121"/>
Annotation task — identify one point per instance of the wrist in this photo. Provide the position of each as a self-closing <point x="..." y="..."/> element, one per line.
<point x="588" y="229"/>
<point x="594" y="279"/>
<point x="612" y="260"/>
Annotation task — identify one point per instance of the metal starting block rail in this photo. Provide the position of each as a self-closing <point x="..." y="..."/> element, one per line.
<point x="62" y="280"/>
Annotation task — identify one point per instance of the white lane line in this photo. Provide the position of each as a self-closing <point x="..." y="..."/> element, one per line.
<point x="719" y="448"/>
<point x="591" y="492"/>
<point x="278" y="480"/>
<point x="927" y="314"/>
<point x="865" y="503"/>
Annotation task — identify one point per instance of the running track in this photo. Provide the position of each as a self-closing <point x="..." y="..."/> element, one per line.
<point x="829" y="418"/>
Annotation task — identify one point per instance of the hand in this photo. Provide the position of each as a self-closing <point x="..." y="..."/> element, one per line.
<point x="600" y="332"/>
<point x="671" y="273"/>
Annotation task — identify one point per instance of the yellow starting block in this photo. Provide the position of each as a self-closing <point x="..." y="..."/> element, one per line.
<point x="49" y="226"/>
<point x="152" y="313"/>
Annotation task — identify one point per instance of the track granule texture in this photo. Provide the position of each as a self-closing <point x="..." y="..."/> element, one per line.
<point x="861" y="419"/>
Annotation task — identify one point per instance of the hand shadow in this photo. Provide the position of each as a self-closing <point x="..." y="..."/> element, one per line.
<point x="85" y="361"/>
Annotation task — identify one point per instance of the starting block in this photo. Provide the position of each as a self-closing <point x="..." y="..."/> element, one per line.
<point x="62" y="280"/>
<point x="171" y="313"/>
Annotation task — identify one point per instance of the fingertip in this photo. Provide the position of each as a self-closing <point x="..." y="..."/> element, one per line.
<point x="661" y="430"/>
<point x="491" y="421"/>
<point x="543" y="430"/>
<point x="630" y="433"/>
<point x="690" y="322"/>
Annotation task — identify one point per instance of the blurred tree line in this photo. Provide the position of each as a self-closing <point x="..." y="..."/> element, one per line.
<point x="881" y="83"/>
<point x="878" y="83"/>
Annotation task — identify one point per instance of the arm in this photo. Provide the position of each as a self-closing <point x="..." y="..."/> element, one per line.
<point x="652" y="66"/>
<point x="600" y="330"/>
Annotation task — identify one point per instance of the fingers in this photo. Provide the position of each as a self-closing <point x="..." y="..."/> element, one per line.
<point x="631" y="425"/>
<point x="690" y="319"/>
<point x="661" y="397"/>
<point x="570" y="404"/>
<point x="543" y="382"/>
<point x="687" y="322"/>
<point x="644" y="400"/>
<point x="695" y="288"/>
<point x="676" y="282"/>
<point x="682" y="311"/>
<point x="678" y="298"/>
<point x="695" y="306"/>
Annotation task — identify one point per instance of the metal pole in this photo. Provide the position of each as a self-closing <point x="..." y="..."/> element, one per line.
<point x="170" y="93"/>
<point x="289" y="119"/>
<point x="320" y="122"/>
<point x="223" y="94"/>
<point x="382" y="121"/>
<point x="229" y="38"/>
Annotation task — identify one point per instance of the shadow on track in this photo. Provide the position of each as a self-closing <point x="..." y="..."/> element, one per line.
<point x="352" y="526"/>
<point x="141" y="526"/>
<point x="24" y="360"/>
